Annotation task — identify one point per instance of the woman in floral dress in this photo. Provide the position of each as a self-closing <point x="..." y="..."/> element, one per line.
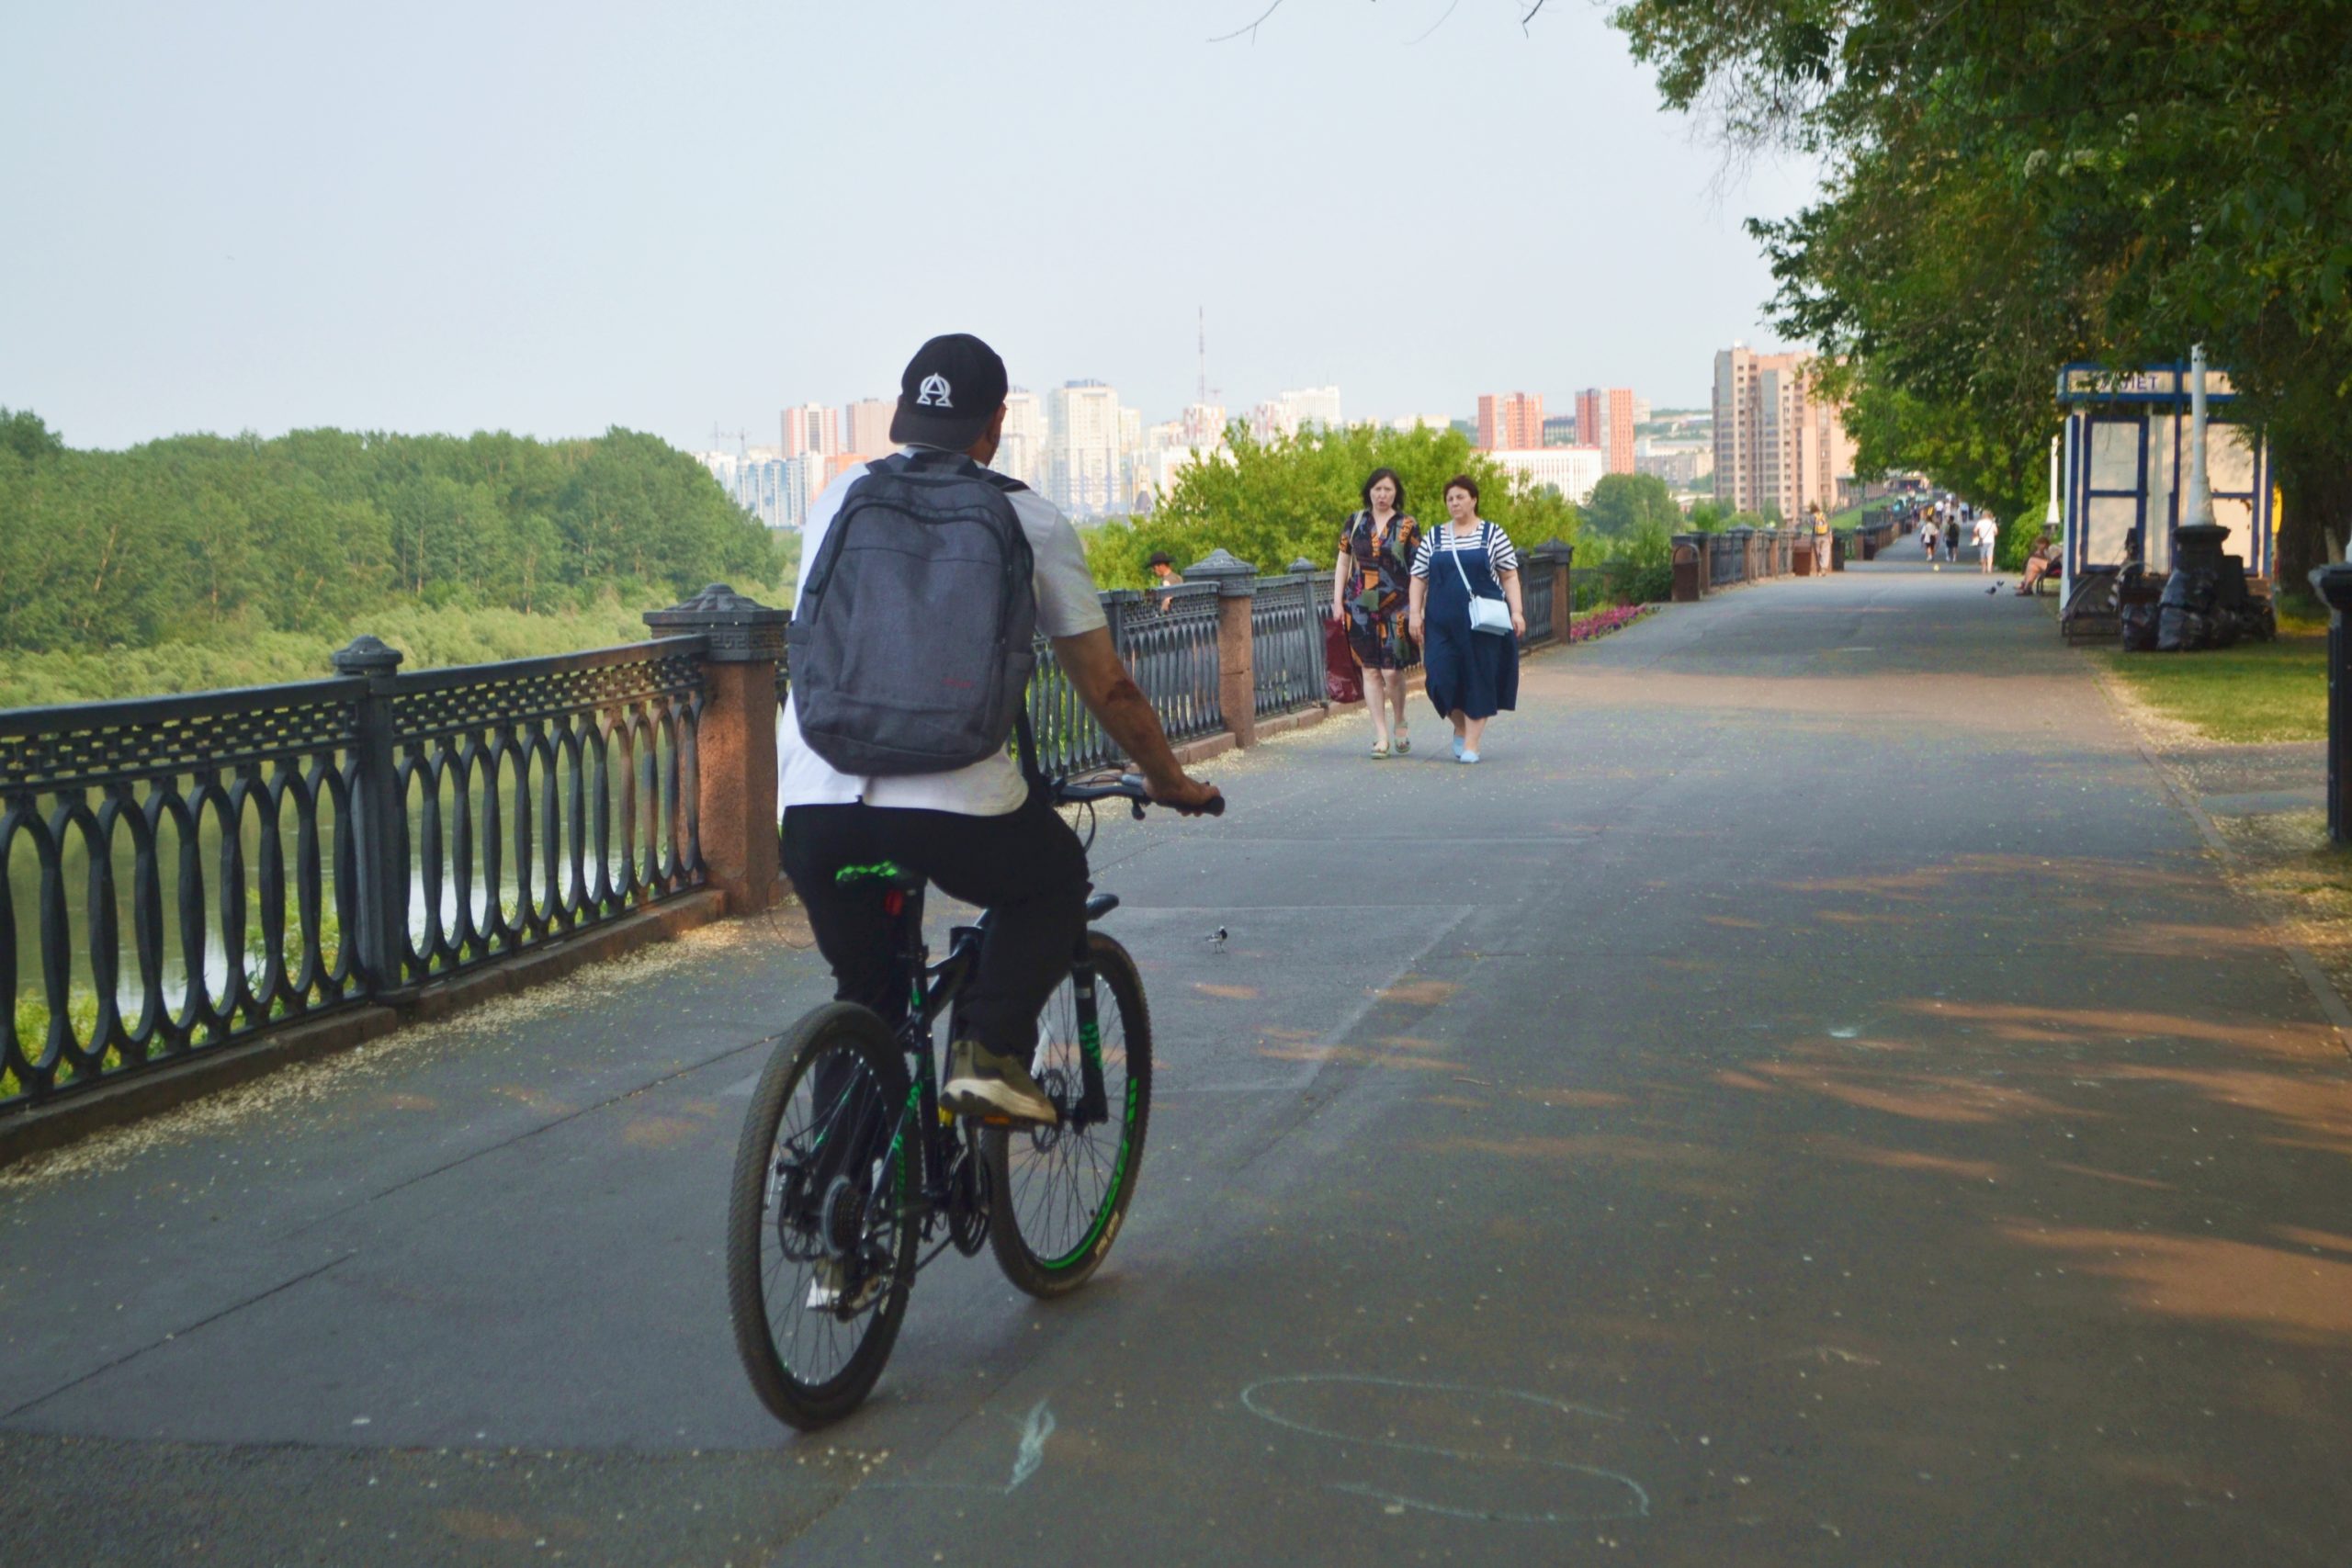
<point x="1370" y="585"/>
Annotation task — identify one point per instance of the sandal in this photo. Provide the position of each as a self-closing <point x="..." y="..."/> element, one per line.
<point x="1404" y="744"/>
<point x="1380" y="752"/>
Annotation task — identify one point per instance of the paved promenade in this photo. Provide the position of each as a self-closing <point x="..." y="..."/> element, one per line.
<point x="1807" y="1097"/>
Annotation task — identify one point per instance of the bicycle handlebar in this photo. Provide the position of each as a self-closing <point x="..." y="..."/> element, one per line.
<point x="1128" y="786"/>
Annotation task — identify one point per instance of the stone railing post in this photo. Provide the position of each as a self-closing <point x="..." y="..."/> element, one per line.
<point x="2333" y="585"/>
<point x="1237" y="667"/>
<point x="1743" y="540"/>
<point x="380" y="816"/>
<point x="735" y="741"/>
<point x="1690" y="575"/>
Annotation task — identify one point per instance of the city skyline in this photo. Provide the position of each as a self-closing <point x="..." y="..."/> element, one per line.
<point x="1083" y="448"/>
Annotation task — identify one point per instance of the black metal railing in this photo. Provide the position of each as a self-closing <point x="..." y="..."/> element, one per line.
<point x="183" y="872"/>
<point x="1535" y="588"/>
<point x="1168" y="638"/>
<point x="584" y="764"/>
<point x="1726" y="559"/>
<point x="1071" y="740"/>
<point x="1285" y="644"/>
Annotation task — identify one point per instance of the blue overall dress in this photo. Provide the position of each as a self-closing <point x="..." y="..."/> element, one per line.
<point x="1476" y="671"/>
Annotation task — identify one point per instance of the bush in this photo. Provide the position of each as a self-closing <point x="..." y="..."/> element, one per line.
<point x="2019" y="536"/>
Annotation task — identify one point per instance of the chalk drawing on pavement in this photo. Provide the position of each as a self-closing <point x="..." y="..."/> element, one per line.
<point x="1501" y="1485"/>
<point x="1027" y="1460"/>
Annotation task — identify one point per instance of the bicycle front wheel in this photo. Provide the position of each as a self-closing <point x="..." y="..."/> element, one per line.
<point x="820" y="1242"/>
<point x="1059" y="1193"/>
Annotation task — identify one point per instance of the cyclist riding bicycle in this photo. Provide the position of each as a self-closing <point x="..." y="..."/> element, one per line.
<point x="983" y="833"/>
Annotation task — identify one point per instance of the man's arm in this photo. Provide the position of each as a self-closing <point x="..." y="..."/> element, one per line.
<point x="1100" y="677"/>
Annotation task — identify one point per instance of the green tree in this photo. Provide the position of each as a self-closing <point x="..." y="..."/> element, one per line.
<point x="1273" y="502"/>
<point x="2017" y="186"/>
<point x="1621" y="503"/>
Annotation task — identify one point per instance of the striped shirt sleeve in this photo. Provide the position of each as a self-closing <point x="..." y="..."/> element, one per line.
<point x="1422" y="556"/>
<point x="1505" y="557"/>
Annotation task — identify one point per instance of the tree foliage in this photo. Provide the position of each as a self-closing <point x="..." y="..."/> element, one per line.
<point x="202" y="537"/>
<point x="2013" y="187"/>
<point x="1270" y="503"/>
<point x="1624" y="504"/>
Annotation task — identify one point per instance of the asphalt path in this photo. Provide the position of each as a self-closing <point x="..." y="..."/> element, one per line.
<point x="1807" y="1097"/>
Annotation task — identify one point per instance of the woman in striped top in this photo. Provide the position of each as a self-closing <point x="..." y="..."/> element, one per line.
<point x="1471" y="675"/>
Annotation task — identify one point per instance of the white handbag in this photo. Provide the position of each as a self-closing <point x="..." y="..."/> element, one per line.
<point x="1489" y="615"/>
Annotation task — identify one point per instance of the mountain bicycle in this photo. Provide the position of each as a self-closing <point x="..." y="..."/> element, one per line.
<point x="848" y="1165"/>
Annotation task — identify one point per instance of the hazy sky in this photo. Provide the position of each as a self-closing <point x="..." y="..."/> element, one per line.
<point x="554" y="218"/>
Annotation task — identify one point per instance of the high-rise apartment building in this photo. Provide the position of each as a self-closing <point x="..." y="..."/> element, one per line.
<point x="1083" y="448"/>
<point x="1778" y="448"/>
<point x="1560" y="430"/>
<point x="812" y="427"/>
<point x="766" y="483"/>
<point x="1302" y="408"/>
<point x="1022" y="453"/>
<point x="1510" y="421"/>
<point x="1605" y="419"/>
<point x="1203" y="424"/>
<point x="866" y="427"/>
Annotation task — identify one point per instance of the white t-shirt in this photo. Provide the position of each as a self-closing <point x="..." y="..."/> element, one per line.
<point x="1067" y="606"/>
<point x="1985" y="533"/>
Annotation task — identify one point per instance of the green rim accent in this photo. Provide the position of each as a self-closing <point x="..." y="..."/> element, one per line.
<point x="1118" y="1180"/>
<point x="886" y="871"/>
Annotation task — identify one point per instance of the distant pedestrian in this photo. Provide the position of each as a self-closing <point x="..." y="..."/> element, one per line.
<point x="1163" y="575"/>
<point x="1951" y="536"/>
<point x="1465" y="582"/>
<point x="1985" y="534"/>
<point x="1371" y="587"/>
<point x="1820" y="536"/>
<point x="1927" y="535"/>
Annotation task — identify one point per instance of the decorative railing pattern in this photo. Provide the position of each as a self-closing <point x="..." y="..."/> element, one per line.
<point x="1726" y="561"/>
<point x="1071" y="740"/>
<point x="184" y="872"/>
<point x="1535" y="588"/>
<point x="1168" y="638"/>
<point x="584" y="764"/>
<point x="1285" y="644"/>
<point x="148" y="906"/>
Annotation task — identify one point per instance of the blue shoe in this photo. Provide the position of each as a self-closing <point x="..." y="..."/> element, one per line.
<point x="1457" y="747"/>
<point x="1467" y="757"/>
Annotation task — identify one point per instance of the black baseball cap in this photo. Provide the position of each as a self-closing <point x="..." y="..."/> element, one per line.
<point x="950" y="391"/>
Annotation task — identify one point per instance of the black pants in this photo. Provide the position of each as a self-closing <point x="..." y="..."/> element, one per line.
<point x="1027" y="869"/>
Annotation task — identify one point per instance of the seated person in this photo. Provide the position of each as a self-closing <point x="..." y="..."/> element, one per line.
<point x="2038" y="565"/>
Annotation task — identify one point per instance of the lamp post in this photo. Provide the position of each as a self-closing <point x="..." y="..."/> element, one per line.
<point x="2052" y="518"/>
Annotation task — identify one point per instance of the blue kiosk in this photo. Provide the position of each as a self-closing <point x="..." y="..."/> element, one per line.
<point x="2124" y="469"/>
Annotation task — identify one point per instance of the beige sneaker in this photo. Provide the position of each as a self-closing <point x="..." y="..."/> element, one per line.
<point x="980" y="1082"/>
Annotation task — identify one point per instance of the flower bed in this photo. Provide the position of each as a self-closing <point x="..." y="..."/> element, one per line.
<point x="1601" y="622"/>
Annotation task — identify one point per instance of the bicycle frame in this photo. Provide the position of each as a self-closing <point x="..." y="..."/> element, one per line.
<point x="931" y="991"/>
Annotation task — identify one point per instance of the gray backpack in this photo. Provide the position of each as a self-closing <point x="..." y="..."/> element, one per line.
<point x="914" y="637"/>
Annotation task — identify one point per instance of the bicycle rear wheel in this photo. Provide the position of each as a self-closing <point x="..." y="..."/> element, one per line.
<point x="820" y="1244"/>
<point x="1059" y="1193"/>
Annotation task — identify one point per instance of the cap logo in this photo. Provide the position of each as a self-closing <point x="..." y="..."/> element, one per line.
<point x="934" y="393"/>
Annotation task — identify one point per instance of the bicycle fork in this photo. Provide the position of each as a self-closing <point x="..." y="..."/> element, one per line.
<point x="1093" y="1104"/>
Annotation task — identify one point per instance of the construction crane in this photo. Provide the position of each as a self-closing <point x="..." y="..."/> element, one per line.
<point x="742" y="439"/>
